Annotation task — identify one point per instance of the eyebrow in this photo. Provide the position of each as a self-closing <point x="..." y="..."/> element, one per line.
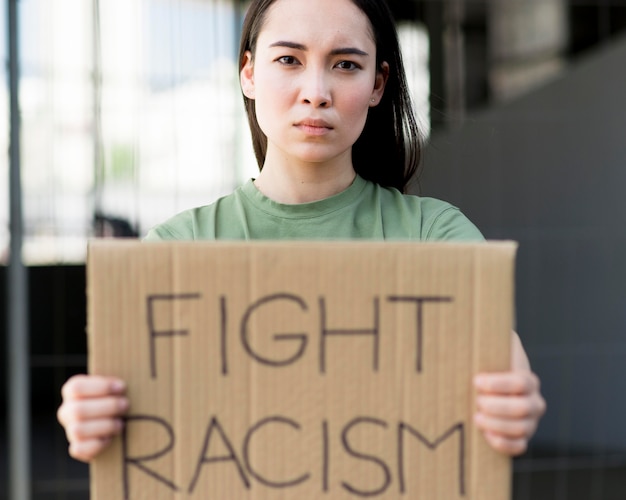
<point x="334" y="52"/>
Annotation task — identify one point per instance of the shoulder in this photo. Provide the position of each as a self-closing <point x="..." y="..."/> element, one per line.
<point x="201" y="223"/>
<point x="179" y="227"/>
<point x="443" y="221"/>
<point x="428" y="219"/>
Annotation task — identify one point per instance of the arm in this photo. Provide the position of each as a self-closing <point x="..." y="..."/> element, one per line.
<point x="91" y="413"/>
<point x="509" y="404"/>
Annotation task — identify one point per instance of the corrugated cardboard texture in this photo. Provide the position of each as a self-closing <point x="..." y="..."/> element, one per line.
<point x="300" y="370"/>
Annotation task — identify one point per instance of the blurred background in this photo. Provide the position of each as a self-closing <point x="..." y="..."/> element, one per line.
<point x="130" y="112"/>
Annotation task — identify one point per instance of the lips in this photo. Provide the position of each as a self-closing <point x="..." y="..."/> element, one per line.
<point x="310" y="122"/>
<point x="314" y="126"/>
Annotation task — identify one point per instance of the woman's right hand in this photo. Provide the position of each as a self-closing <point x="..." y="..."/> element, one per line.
<point x="91" y="413"/>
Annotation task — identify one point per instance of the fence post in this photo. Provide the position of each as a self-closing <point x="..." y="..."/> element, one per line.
<point x="18" y="364"/>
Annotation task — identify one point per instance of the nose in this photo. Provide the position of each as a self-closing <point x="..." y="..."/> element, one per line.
<point x="316" y="89"/>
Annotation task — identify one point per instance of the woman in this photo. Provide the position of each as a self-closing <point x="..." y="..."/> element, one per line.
<point x="337" y="143"/>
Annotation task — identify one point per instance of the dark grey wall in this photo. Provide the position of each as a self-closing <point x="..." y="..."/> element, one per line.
<point x="549" y="170"/>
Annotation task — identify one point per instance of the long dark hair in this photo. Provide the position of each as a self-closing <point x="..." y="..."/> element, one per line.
<point x="389" y="149"/>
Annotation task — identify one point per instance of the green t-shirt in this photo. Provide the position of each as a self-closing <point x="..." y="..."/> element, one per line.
<point x="364" y="210"/>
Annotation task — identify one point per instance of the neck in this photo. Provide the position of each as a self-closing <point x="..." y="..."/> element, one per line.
<point x="291" y="182"/>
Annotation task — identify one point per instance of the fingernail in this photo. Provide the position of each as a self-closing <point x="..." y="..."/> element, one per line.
<point x="123" y="404"/>
<point x="118" y="386"/>
<point x="479" y="380"/>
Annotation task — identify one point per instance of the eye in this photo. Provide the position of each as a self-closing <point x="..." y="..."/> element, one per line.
<point x="288" y="60"/>
<point x="348" y="65"/>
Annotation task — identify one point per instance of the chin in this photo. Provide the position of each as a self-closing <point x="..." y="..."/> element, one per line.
<point x="315" y="155"/>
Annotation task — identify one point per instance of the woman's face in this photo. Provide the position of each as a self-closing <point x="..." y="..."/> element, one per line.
<point x="313" y="78"/>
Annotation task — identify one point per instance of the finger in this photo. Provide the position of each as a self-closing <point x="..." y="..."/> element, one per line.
<point x="511" y="406"/>
<point x="509" y="428"/>
<point x="94" y="429"/>
<point x="506" y="446"/>
<point x="517" y="382"/>
<point x="88" y="386"/>
<point x="86" y="450"/>
<point x="86" y="409"/>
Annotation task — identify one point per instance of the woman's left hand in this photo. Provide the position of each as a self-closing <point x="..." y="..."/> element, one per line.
<point x="509" y="405"/>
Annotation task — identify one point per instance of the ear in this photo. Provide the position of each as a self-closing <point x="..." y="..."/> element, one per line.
<point x="382" y="75"/>
<point x="246" y="76"/>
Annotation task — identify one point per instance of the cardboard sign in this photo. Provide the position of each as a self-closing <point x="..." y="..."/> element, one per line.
<point x="300" y="370"/>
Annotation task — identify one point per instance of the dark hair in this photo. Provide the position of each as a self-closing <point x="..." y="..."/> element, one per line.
<point x="389" y="148"/>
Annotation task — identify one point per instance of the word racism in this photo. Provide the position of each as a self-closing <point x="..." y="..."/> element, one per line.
<point x="334" y="439"/>
<point x="400" y="436"/>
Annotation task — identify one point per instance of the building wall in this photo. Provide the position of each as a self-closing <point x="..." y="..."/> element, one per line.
<point x="549" y="170"/>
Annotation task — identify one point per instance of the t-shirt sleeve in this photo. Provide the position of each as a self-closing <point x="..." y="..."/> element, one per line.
<point x="449" y="224"/>
<point x="179" y="227"/>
